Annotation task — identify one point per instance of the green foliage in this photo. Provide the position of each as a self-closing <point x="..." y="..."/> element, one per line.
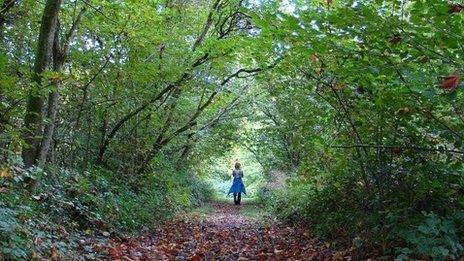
<point x="12" y="236"/>
<point x="435" y="237"/>
<point x="341" y="209"/>
<point x="359" y="112"/>
<point x="38" y="205"/>
<point x="339" y="109"/>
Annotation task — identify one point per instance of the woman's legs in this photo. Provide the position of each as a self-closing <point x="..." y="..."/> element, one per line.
<point x="237" y="198"/>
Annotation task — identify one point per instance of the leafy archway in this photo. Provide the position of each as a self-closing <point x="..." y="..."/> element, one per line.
<point x="346" y="114"/>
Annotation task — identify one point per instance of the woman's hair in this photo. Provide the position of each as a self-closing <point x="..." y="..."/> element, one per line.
<point x="237" y="165"/>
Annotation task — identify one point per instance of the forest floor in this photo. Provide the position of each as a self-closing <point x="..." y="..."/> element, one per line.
<point x="222" y="231"/>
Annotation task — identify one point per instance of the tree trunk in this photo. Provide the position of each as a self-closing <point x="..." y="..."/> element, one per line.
<point x="52" y="110"/>
<point x="34" y="116"/>
<point x="4" y="119"/>
<point x="60" y="54"/>
<point x="52" y="107"/>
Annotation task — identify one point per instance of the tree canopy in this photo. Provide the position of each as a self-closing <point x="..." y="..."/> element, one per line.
<point x="351" y="112"/>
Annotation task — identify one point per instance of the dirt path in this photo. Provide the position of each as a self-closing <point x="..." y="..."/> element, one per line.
<point x="227" y="232"/>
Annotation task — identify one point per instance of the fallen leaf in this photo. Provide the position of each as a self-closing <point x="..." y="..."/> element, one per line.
<point x="63" y="232"/>
<point x="54" y="255"/>
<point x="195" y="257"/>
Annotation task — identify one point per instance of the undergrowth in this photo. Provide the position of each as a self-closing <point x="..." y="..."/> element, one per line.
<point x="58" y="213"/>
<point x="406" y="217"/>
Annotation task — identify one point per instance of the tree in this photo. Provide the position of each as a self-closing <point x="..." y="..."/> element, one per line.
<point x="60" y="54"/>
<point x="33" y="122"/>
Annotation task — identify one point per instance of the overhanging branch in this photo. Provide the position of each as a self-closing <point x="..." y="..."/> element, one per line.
<point x="375" y="146"/>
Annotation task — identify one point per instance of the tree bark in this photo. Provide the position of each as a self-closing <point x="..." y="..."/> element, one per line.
<point x="53" y="96"/>
<point x="34" y="116"/>
<point x="60" y="54"/>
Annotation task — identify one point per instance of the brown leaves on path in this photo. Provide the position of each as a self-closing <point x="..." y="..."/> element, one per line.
<point x="225" y="234"/>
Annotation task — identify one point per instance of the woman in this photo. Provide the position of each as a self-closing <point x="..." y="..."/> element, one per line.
<point x="237" y="186"/>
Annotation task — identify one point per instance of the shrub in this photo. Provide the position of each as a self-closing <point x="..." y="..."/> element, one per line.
<point x="408" y="217"/>
<point x="13" y="240"/>
<point x="435" y="237"/>
<point x="50" y="213"/>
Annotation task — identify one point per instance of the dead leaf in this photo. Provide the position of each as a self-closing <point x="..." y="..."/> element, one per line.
<point x="402" y="111"/>
<point x="54" y="255"/>
<point x="218" y="236"/>
<point x="396" y="150"/>
<point x="339" y="86"/>
<point x="395" y="39"/>
<point x="450" y="82"/>
<point x="314" y="58"/>
<point x="5" y="173"/>
<point x="63" y="233"/>
<point x="455" y="8"/>
<point x="195" y="257"/>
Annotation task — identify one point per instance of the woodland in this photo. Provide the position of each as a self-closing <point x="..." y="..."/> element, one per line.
<point x="120" y="118"/>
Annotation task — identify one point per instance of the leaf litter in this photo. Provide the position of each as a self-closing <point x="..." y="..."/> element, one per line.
<point x="225" y="234"/>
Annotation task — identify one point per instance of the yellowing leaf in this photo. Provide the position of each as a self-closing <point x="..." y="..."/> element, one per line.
<point x="339" y="86"/>
<point x="5" y="173"/>
<point x="402" y="111"/>
<point x="314" y="58"/>
<point x="54" y="77"/>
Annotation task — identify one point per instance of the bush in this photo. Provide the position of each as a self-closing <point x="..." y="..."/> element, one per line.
<point x="411" y="216"/>
<point x="50" y="213"/>
<point x="13" y="244"/>
<point x="435" y="236"/>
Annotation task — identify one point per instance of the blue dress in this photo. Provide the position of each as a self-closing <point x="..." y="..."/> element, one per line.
<point x="237" y="184"/>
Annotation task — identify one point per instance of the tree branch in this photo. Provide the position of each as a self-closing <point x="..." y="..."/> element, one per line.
<point x="396" y="147"/>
